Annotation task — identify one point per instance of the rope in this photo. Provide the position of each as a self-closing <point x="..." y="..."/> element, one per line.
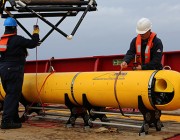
<point x="37" y="21"/>
<point x="38" y="95"/>
<point x="37" y="80"/>
<point x="115" y="93"/>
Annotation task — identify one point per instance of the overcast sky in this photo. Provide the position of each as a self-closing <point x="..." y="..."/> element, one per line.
<point x="109" y="30"/>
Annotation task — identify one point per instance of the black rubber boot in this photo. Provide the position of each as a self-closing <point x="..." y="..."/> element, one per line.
<point x="10" y="125"/>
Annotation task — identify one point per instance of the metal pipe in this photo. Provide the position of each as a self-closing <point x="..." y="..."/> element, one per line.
<point x="47" y="108"/>
<point x="55" y="2"/>
<point x="124" y="120"/>
<point x="56" y="114"/>
<point x="42" y="14"/>
<point x="113" y="113"/>
<point x="50" y="9"/>
<point x="82" y="17"/>
<point x="78" y="121"/>
<point x="114" y="124"/>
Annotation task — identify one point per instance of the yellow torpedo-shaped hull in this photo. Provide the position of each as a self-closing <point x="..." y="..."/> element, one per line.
<point x="101" y="89"/>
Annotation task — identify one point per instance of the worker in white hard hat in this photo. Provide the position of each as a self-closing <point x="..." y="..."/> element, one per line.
<point x="145" y="50"/>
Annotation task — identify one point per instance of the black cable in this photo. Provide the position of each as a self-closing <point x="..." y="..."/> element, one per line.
<point x="115" y="93"/>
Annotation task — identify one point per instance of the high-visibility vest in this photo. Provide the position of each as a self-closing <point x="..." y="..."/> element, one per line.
<point x="147" y="50"/>
<point x="4" y="41"/>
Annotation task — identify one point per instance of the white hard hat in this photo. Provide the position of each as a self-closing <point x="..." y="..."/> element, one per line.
<point x="143" y="25"/>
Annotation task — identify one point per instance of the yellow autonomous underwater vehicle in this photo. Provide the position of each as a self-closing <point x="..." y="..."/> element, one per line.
<point x="149" y="91"/>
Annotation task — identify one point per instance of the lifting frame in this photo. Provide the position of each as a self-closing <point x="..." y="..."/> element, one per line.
<point x="47" y="8"/>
